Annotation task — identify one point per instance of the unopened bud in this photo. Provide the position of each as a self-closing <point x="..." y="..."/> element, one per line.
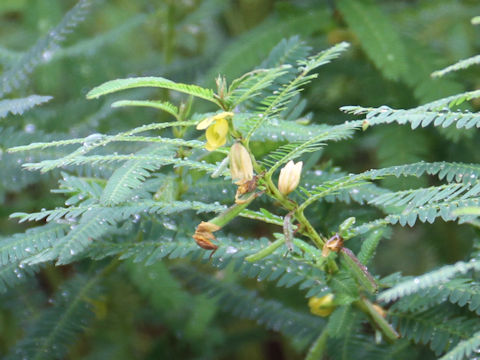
<point x="241" y="167"/>
<point x="365" y="125"/>
<point x="289" y="177"/>
<point x="322" y="306"/>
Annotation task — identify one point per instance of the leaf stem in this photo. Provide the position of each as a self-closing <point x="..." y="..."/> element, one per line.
<point x="265" y="252"/>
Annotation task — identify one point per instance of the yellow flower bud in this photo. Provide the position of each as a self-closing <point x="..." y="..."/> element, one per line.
<point x="322" y="306"/>
<point x="289" y="177"/>
<point x="217" y="130"/>
<point x="241" y="167"/>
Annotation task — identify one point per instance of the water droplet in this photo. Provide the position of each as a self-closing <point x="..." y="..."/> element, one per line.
<point x="29" y="128"/>
<point x="92" y="139"/>
<point x="47" y="55"/>
<point x="170" y="225"/>
<point x="231" y="250"/>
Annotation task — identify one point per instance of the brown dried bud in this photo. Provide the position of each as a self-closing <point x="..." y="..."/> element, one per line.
<point x="335" y="243"/>
<point x="245" y="188"/>
<point x="204" y="234"/>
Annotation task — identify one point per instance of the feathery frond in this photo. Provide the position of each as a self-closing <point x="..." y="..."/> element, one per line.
<point x="462" y="64"/>
<point x="377" y="36"/>
<point x="161" y="105"/>
<point x="18" y="247"/>
<point x="19" y="106"/>
<point x="124" y="84"/>
<point x="286" y="272"/>
<point x="459" y="172"/>
<point x="276" y="103"/>
<point x="13" y="274"/>
<point x="270" y="313"/>
<point x="96" y="140"/>
<point x="56" y="327"/>
<point x="450" y="101"/>
<point x="460" y="291"/>
<point x="464" y="348"/>
<point x="292" y="151"/>
<point x="438" y="327"/>
<point x="44" y="48"/>
<point x="416" y="117"/>
<point x="428" y="280"/>
<point x="48" y="165"/>
<point x="248" y="50"/>
<point x="130" y="176"/>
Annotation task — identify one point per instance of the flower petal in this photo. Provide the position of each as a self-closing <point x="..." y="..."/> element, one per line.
<point x="202" y="125"/>
<point x="216" y="134"/>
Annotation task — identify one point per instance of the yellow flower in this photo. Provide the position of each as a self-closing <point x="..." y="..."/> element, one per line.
<point x="217" y="130"/>
<point x="241" y="167"/>
<point x="289" y="177"/>
<point x="321" y="306"/>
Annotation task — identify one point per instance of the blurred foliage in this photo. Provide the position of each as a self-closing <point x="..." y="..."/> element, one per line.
<point x="161" y="310"/>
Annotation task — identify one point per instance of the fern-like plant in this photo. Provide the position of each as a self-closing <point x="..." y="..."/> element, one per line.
<point x="182" y="191"/>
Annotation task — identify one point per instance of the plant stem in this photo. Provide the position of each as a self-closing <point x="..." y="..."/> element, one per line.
<point x="229" y="214"/>
<point x="291" y="206"/>
<point x="366" y="306"/>
<point x="318" y="347"/>
<point x="265" y="252"/>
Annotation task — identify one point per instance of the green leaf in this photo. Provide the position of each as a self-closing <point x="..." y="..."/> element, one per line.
<point x="339" y="320"/>
<point x="161" y="105"/>
<point x="55" y="328"/>
<point x="130" y="83"/>
<point x="464" y="348"/>
<point x="19" y="106"/>
<point x="131" y="175"/>
<point x="377" y="36"/>
<point x="427" y="280"/>
<point x="462" y="64"/>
